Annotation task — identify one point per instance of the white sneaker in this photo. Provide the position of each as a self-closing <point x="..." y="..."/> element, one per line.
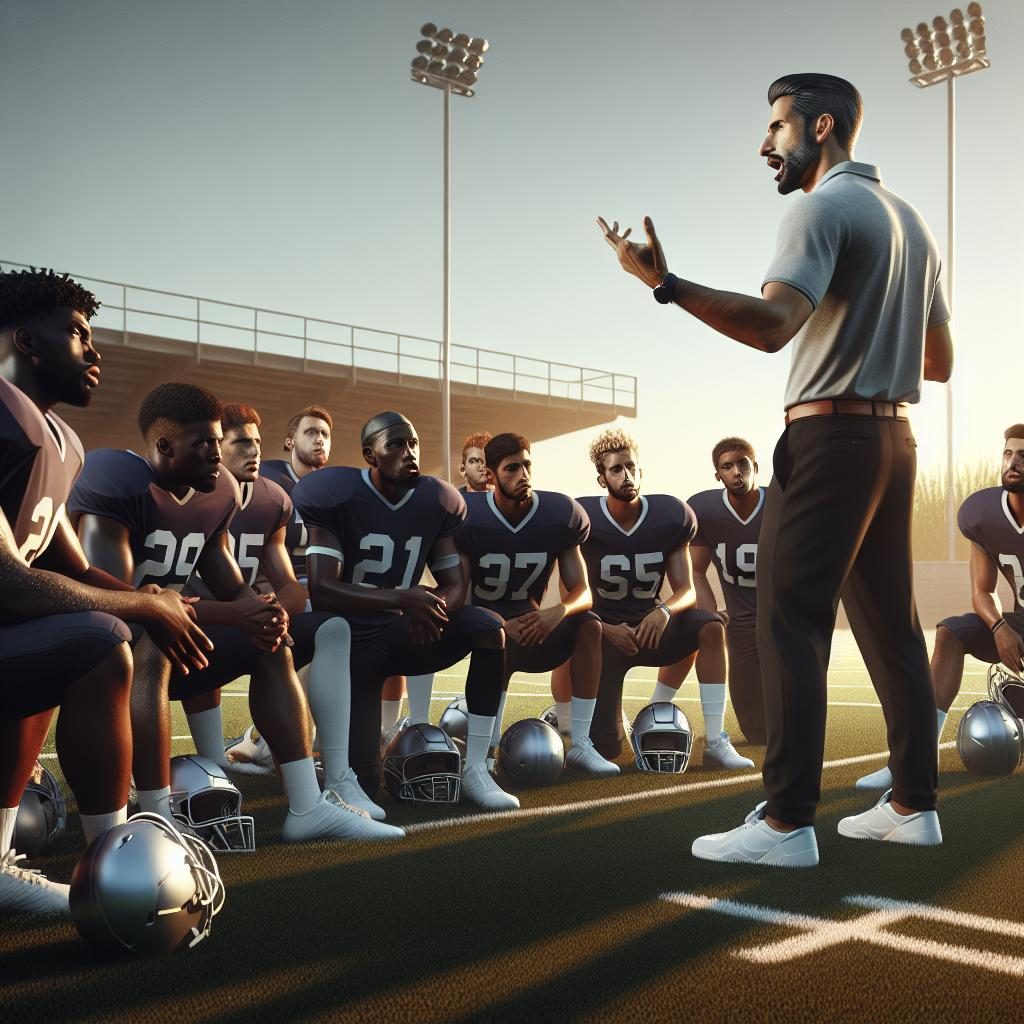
<point x="882" y="779"/>
<point x="756" y="842"/>
<point x="26" y="891"/>
<point x="249" y="754"/>
<point x="882" y="822"/>
<point x="351" y="793"/>
<point x="720" y="753"/>
<point x="584" y="757"/>
<point x="332" y="818"/>
<point x="479" y="788"/>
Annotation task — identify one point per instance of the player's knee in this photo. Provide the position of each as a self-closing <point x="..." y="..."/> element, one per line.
<point x="491" y="640"/>
<point x="947" y="643"/>
<point x="590" y="630"/>
<point x="334" y="630"/>
<point x="712" y="635"/>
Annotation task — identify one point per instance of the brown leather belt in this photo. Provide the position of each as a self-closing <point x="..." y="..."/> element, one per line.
<point x="847" y="407"/>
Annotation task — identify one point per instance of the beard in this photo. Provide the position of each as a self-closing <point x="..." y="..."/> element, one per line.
<point x="1013" y="486"/>
<point x="796" y="164"/>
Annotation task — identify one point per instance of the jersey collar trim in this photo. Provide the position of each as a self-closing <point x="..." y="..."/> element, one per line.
<point x="1009" y="513"/>
<point x="611" y="519"/>
<point x="58" y="436"/>
<point x="185" y="499"/>
<point x="508" y="526"/>
<point x="736" y="515"/>
<point x="365" y="474"/>
<point x="248" y="489"/>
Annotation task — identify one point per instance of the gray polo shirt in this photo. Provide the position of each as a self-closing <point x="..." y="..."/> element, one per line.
<point x="869" y="266"/>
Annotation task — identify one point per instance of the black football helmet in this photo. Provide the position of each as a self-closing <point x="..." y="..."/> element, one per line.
<point x="422" y="764"/>
<point x="455" y="721"/>
<point x="42" y="813"/>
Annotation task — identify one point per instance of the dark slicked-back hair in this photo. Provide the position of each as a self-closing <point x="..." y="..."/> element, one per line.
<point x="814" y="95"/>
<point x="178" y="404"/>
<point x="501" y="446"/>
<point x="311" y="410"/>
<point x="732" y="444"/>
<point x="1017" y="430"/>
<point x="475" y="441"/>
<point x="28" y="293"/>
<point x="238" y="415"/>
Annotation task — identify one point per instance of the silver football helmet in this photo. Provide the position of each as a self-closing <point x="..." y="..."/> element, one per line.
<point x="422" y="764"/>
<point x="209" y="803"/>
<point x="989" y="739"/>
<point x="455" y="721"/>
<point x="661" y="738"/>
<point x="145" y="887"/>
<point x="42" y="813"/>
<point x="1007" y="689"/>
<point x="531" y="753"/>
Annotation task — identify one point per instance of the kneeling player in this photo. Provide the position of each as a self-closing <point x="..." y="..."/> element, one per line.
<point x="512" y="538"/>
<point x="634" y="543"/>
<point x="371" y="533"/>
<point x="156" y="519"/>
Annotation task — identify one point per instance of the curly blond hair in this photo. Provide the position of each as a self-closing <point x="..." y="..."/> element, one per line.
<point x="612" y="440"/>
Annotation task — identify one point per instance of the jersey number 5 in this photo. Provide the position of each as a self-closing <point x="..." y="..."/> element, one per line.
<point x="645" y="569"/>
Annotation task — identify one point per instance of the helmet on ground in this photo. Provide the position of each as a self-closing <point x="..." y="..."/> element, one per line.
<point x="661" y="738"/>
<point x="989" y="739"/>
<point x="1007" y="689"/>
<point x="209" y="803"/>
<point x="387" y="735"/>
<point x="550" y="715"/>
<point x="42" y="813"/>
<point x="144" y="887"/>
<point x="532" y="753"/>
<point x="422" y="764"/>
<point x="455" y="721"/>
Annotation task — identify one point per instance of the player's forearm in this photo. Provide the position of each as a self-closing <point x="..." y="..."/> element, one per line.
<point x="751" y="321"/>
<point x="94" y="576"/>
<point x="681" y="599"/>
<point x="220" y="612"/>
<point x="348" y="597"/>
<point x="454" y="595"/>
<point x="577" y="600"/>
<point x="987" y="607"/>
<point x="292" y="596"/>
<point x="27" y="593"/>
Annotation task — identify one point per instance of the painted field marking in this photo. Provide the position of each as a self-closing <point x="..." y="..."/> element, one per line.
<point x="822" y="932"/>
<point x="576" y="806"/>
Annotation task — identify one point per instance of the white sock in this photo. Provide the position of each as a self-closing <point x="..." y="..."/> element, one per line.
<point x="156" y="801"/>
<point x="389" y="712"/>
<point x="563" y="712"/>
<point x="418" y="689"/>
<point x="94" y="825"/>
<point x="496" y="734"/>
<point x="330" y="695"/>
<point x="8" y="816"/>
<point x="582" y="716"/>
<point x="478" y="739"/>
<point x="207" y="728"/>
<point x="300" y="786"/>
<point x="941" y="717"/>
<point x="712" y="703"/>
<point x="663" y="694"/>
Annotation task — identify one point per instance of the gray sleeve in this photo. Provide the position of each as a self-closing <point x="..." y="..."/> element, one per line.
<point x="811" y="238"/>
<point x="939" y="312"/>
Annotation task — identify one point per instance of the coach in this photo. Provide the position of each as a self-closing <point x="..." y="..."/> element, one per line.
<point x="855" y="285"/>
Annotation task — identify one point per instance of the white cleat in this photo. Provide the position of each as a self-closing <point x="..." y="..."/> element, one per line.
<point x="883" y="823"/>
<point x="756" y="842"/>
<point x="583" y="756"/>
<point x="26" y="891"/>
<point x="249" y="754"/>
<point x="479" y="788"/>
<point x="720" y="753"/>
<point x="351" y="793"/>
<point x="882" y="779"/>
<point x="332" y="818"/>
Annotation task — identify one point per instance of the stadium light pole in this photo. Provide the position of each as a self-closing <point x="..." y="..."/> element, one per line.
<point x="450" y="62"/>
<point x="944" y="52"/>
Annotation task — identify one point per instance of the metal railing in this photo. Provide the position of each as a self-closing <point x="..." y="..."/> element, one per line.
<point x="134" y="310"/>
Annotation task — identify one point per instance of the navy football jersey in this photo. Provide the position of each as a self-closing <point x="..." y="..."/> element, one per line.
<point x="985" y="518"/>
<point x="167" y="534"/>
<point x="40" y="457"/>
<point x="383" y="545"/>
<point x="510" y="565"/>
<point x="627" y="568"/>
<point x="280" y="472"/>
<point x="733" y="544"/>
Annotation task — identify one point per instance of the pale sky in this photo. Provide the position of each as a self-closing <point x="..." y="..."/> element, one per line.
<point x="276" y="154"/>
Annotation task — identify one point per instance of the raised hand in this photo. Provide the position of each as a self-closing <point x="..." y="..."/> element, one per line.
<point x="647" y="262"/>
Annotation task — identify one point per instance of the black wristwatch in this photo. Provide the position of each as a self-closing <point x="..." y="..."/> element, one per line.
<point x="664" y="292"/>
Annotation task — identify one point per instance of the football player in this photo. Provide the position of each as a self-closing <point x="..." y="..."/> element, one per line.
<point x="728" y="525"/>
<point x="371" y="533"/>
<point x="512" y="539"/>
<point x="158" y="518"/>
<point x="635" y="542"/>
<point x="63" y="639"/>
<point x="992" y="519"/>
<point x="473" y="468"/>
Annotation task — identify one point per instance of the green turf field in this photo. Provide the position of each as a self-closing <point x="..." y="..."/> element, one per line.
<point x="584" y="906"/>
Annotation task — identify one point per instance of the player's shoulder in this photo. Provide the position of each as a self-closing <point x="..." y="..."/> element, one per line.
<point x="228" y="488"/>
<point x="280" y="472"/>
<point x="558" y="505"/>
<point x="270" y="491"/>
<point x="328" y="486"/>
<point x="980" y="507"/>
<point x="706" y="501"/>
<point x="117" y="473"/>
<point x="20" y="417"/>
<point x="668" y="506"/>
<point x="446" y="494"/>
